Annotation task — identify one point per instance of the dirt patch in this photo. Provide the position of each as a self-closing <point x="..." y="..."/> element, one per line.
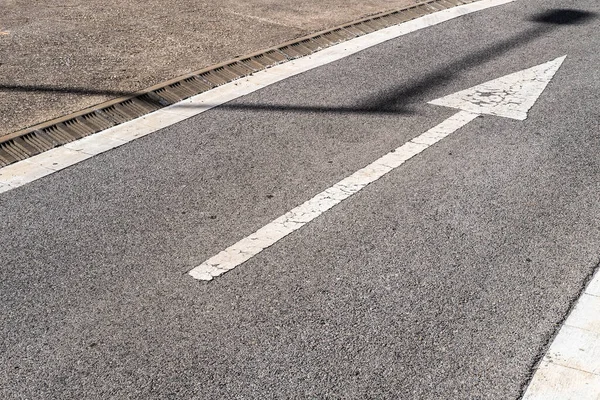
<point x="66" y="55"/>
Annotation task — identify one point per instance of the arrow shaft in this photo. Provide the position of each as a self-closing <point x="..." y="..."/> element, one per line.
<point x="296" y="218"/>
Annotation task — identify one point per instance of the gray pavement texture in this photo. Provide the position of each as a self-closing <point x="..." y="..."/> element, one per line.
<point x="445" y="279"/>
<point x="66" y="55"/>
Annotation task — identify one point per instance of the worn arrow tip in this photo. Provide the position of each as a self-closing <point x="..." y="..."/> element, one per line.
<point x="510" y="96"/>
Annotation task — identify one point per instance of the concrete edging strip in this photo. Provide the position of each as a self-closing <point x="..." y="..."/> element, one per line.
<point x="40" y="165"/>
<point x="36" y="139"/>
<point x="570" y="369"/>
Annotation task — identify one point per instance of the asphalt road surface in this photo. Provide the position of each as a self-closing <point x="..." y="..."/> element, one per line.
<point x="445" y="279"/>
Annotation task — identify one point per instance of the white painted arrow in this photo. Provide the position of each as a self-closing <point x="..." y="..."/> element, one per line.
<point x="510" y="96"/>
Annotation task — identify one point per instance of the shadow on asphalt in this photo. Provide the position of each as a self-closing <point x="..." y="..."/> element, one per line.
<point x="396" y="100"/>
<point x="563" y="16"/>
<point x="391" y="101"/>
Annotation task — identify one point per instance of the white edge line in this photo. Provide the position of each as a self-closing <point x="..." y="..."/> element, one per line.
<point x="295" y="219"/>
<point x="570" y="368"/>
<point x="36" y="167"/>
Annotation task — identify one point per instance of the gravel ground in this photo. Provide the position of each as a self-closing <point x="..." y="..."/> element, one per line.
<point x="69" y="54"/>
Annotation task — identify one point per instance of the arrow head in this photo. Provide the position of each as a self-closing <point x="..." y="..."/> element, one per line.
<point x="510" y="96"/>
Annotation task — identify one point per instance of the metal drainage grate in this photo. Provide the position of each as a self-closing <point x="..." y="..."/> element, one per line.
<point x="57" y="132"/>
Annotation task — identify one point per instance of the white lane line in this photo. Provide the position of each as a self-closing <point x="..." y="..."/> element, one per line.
<point x="311" y="209"/>
<point x="510" y="96"/>
<point x="34" y="168"/>
<point x="570" y="370"/>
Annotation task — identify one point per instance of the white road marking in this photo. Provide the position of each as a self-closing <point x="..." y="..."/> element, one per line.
<point x="306" y="212"/>
<point x="570" y="370"/>
<point x="514" y="95"/>
<point x="510" y="96"/>
<point x="34" y="168"/>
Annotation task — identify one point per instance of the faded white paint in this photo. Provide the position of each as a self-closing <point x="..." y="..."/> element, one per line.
<point x="34" y="168"/>
<point x="510" y="96"/>
<point x="306" y="212"/>
<point x="523" y="94"/>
